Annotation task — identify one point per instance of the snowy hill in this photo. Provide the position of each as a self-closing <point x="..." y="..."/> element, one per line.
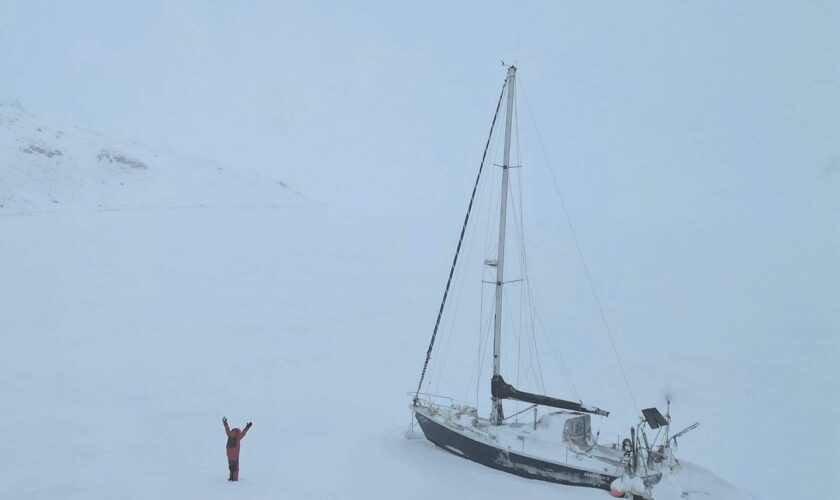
<point x="46" y="165"/>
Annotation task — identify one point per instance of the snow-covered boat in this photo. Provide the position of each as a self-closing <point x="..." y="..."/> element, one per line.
<point x="558" y="446"/>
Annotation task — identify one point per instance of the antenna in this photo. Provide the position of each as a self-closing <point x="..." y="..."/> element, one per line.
<point x="518" y="44"/>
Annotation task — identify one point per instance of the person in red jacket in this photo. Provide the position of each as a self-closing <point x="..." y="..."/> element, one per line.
<point x="234" y="437"/>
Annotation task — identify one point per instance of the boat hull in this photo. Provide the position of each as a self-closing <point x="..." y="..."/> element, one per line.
<point x="507" y="460"/>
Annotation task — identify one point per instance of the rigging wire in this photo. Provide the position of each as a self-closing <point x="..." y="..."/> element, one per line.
<point x="484" y="205"/>
<point x="523" y="255"/>
<point x="493" y="213"/>
<point x="535" y="306"/>
<point x="533" y="300"/>
<point x="548" y="335"/>
<point x="487" y="343"/>
<point x="458" y="248"/>
<point x="448" y="323"/>
<point x="477" y="368"/>
<point x="532" y="345"/>
<point x="487" y="204"/>
<point x="520" y="227"/>
<point x="492" y="216"/>
<point x="580" y="252"/>
<point x="449" y="327"/>
<point x="491" y="219"/>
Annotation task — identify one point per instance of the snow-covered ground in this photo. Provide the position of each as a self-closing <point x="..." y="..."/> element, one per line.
<point x="129" y="332"/>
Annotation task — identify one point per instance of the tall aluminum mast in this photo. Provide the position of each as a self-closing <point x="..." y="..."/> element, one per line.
<point x="497" y="414"/>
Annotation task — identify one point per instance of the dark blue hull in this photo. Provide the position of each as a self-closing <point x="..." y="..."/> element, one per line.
<point x="509" y="461"/>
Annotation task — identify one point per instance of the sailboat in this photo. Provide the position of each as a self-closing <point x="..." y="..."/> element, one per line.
<point x="559" y="446"/>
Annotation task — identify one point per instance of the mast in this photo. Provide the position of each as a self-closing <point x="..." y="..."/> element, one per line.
<point x="497" y="414"/>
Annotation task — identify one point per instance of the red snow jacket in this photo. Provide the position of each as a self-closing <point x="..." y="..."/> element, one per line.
<point x="234" y="437"/>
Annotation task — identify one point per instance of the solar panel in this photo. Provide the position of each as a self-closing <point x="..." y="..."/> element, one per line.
<point x="654" y="419"/>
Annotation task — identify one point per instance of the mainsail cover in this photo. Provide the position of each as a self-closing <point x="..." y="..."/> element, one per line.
<point x="501" y="389"/>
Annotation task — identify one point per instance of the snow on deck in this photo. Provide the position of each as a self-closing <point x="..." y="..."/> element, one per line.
<point x="544" y="443"/>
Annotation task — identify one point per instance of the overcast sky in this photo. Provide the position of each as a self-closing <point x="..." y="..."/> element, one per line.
<point x="686" y="136"/>
<point x="698" y="144"/>
<point x="343" y="96"/>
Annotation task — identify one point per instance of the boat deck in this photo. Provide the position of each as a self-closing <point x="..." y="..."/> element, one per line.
<point x="544" y="443"/>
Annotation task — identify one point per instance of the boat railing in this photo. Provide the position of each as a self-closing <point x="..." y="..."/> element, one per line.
<point x="520" y="412"/>
<point x="609" y="439"/>
<point x="433" y="399"/>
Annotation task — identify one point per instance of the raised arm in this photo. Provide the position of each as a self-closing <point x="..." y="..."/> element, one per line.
<point x="227" y="429"/>
<point x="245" y="430"/>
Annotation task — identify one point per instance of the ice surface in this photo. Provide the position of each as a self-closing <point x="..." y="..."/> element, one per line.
<point x="129" y="329"/>
<point x="128" y="334"/>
